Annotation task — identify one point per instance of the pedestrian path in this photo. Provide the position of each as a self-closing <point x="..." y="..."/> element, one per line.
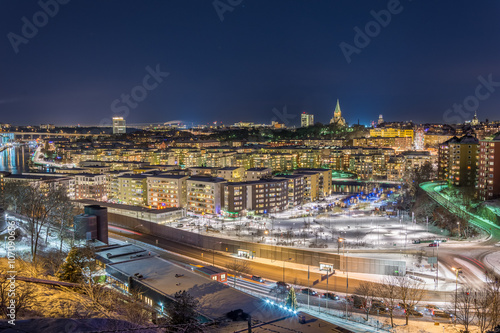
<point x="347" y="324"/>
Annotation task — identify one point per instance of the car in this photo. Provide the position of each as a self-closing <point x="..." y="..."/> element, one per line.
<point x="180" y="225"/>
<point x="431" y="307"/>
<point x="433" y="244"/>
<point x="309" y="291"/>
<point x="331" y="296"/>
<point x="282" y="285"/>
<point x="415" y="313"/>
<point x="257" y="278"/>
<point x="378" y="308"/>
<point x="358" y="302"/>
<point x="441" y="313"/>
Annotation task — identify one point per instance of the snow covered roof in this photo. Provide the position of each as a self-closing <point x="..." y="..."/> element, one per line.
<point x="216" y="299"/>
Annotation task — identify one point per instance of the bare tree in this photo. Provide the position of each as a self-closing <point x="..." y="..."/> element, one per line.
<point x="37" y="202"/>
<point x="22" y="293"/>
<point x="493" y="291"/>
<point x="366" y="291"/>
<point x="464" y="304"/>
<point x="133" y="309"/>
<point x="483" y="307"/>
<point x="240" y="266"/>
<point x="63" y="219"/>
<point x="410" y="292"/>
<point x="388" y="291"/>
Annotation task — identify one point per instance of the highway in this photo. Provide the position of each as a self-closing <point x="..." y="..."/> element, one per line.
<point x="185" y="254"/>
<point x="470" y="256"/>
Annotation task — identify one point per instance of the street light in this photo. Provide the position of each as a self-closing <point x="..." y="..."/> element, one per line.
<point x="458" y="224"/>
<point x="213" y="253"/>
<point x="289" y="259"/>
<point x="347" y="273"/>
<point x="458" y="269"/>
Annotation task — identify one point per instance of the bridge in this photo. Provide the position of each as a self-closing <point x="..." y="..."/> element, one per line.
<point x="41" y="135"/>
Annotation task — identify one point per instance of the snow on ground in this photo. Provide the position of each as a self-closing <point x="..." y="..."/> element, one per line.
<point x="493" y="261"/>
<point x="474" y="269"/>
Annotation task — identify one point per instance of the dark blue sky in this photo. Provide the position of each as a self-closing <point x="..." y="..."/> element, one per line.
<point x="263" y="55"/>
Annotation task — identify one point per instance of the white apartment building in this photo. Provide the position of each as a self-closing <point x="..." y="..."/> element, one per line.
<point x="167" y="191"/>
<point x="204" y="195"/>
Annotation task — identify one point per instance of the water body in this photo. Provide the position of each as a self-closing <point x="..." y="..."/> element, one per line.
<point x="15" y="160"/>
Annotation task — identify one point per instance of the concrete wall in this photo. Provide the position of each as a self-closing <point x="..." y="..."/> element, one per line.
<point x="300" y="256"/>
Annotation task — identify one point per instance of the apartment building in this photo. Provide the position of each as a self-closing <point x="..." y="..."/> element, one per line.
<point x="203" y="171"/>
<point x="295" y="188"/>
<point x="396" y="168"/>
<point x="267" y="195"/>
<point x="204" y="195"/>
<point x="131" y="190"/>
<point x="235" y="199"/>
<point x="457" y="160"/>
<point x="91" y="186"/>
<point x="489" y="168"/>
<point x="253" y="174"/>
<point x="44" y="181"/>
<point x="167" y="191"/>
<point x="232" y="174"/>
<point x="392" y="133"/>
<point x="317" y="183"/>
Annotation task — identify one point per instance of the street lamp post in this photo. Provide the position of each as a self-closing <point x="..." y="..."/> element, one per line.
<point x="213" y="253"/>
<point x="458" y="224"/>
<point x="458" y="269"/>
<point x="346" y="272"/>
<point x="289" y="259"/>
<point x="437" y="262"/>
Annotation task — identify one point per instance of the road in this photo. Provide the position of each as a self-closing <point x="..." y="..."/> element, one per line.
<point x="185" y="253"/>
<point x="470" y="257"/>
<point x="433" y="190"/>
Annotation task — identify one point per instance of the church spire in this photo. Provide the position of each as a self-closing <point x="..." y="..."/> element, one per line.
<point x="337" y="108"/>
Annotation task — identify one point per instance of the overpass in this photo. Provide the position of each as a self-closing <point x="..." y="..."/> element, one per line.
<point x="434" y="188"/>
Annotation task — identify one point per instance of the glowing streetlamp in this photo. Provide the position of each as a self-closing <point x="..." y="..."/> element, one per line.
<point x="346" y="271"/>
<point x="457" y="270"/>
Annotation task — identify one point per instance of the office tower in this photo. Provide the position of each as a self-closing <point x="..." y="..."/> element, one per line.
<point x="119" y="126"/>
<point x="306" y="119"/>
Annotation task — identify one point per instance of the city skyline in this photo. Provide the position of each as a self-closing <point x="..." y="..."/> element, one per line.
<point x="207" y="63"/>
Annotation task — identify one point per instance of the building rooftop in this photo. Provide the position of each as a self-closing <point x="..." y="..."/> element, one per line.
<point x="84" y="174"/>
<point x="133" y="176"/>
<point x="126" y="207"/>
<point x="168" y="176"/>
<point x="122" y="253"/>
<point x="215" y="299"/>
<point x="207" y="179"/>
<point x="258" y="169"/>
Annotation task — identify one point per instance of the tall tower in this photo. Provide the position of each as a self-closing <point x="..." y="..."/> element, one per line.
<point x="475" y="120"/>
<point x="119" y="125"/>
<point x="337" y="116"/>
<point x="380" y="119"/>
<point x="306" y="120"/>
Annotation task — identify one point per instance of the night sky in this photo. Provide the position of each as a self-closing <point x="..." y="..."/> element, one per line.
<point x="263" y="55"/>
